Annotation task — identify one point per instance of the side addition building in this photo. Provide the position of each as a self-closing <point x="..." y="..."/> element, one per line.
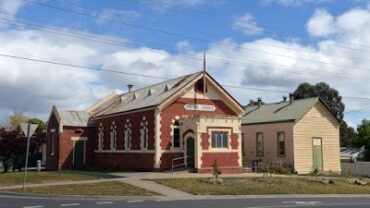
<point x="303" y="134"/>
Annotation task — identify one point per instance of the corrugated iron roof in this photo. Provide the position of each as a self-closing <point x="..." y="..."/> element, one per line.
<point x="281" y="111"/>
<point x="142" y="98"/>
<point x="75" y="118"/>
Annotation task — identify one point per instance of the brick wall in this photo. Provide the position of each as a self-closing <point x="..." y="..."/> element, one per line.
<point x="129" y="161"/>
<point x="125" y="161"/>
<point x="227" y="162"/>
<point x="66" y="146"/>
<point x="135" y="119"/>
<point x="177" y="109"/>
<point x="52" y="160"/>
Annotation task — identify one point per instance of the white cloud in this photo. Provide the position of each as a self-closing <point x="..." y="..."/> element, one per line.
<point x="35" y="87"/>
<point x="321" y="24"/>
<point x="9" y="8"/>
<point x="248" y="25"/>
<point x="294" y="2"/>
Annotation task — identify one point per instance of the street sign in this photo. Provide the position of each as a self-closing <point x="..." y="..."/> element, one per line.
<point x="28" y="129"/>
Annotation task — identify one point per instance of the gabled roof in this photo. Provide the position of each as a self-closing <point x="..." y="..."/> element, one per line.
<point x="71" y="118"/>
<point x="142" y="98"/>
<point x="280" y="112"/>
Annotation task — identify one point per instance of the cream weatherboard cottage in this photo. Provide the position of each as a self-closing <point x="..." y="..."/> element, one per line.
<point x="302" y="134"/>
<point x="190" y="117"/>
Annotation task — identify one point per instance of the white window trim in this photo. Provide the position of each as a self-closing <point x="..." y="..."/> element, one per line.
<point x="113" y="136"/>
<point x="144" y="126"/>
<point x="128" y="140"/>
<point x="228" y="148"/>
<point x="101" y="137"/>
<point x="172" y="135"/>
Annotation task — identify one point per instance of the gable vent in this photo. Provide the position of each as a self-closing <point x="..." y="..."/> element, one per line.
<point x="166" y="88"/>
<point x="150" y="92"/>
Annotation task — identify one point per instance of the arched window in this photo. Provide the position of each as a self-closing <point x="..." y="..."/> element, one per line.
<point x="113" y="136"/>
<point x="176" y="135"/>
<point x="144" y="133"/>
<point x="128" y="135"/>
<point x="101" y="137"/>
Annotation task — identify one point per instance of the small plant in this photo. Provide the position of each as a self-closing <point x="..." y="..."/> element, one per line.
<point x="314" y="173"/>
<point x="216" y="170"/>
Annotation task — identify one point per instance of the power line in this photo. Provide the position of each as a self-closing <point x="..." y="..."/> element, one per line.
<point x="222" y="19"/>
<point x="188" y="37"/>
<point x="354" y="111"/>
<point x="136" y="74"/>
<point x="211" y="58"/>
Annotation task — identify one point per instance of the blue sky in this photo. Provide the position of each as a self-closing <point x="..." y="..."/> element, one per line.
<point x="259" y="44"/>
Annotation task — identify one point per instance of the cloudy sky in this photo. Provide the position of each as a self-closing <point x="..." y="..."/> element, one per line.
<point x="267" y="47"/>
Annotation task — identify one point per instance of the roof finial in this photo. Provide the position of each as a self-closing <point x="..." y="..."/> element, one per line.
<point x="204" y="62"/>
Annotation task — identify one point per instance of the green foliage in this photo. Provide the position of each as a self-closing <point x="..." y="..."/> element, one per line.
<point x="324" y="91"/>
<point x="41" y="124"/>
<point x="362" y="137"/>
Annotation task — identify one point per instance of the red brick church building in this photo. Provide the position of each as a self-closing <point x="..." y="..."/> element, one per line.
<point x="145" y="129"/>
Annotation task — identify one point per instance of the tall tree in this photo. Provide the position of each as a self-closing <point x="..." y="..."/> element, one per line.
<point x="324" y="91"/>
<point x="362" y="137"/>
<point x="332" y="98"/>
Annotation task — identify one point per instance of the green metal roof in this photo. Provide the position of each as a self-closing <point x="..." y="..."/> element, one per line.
<point x="278" y="112"/>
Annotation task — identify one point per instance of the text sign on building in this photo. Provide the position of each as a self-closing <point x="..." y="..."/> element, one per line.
<point x="199" y="107"/>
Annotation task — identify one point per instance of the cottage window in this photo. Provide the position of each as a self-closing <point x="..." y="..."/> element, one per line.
<point x="128" y="135"/>
<point x="113" y="136"/>
<point x="176" y="137"/>
<point x="101" y="137"/>
<point x="144" y="133"/>
<point x="281" y="144"/>
<point x="259" y="144"/>
<point x="219" y="139"/>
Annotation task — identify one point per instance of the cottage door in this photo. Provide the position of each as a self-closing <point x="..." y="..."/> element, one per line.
<point x="190" y="152"/>
<point x="317" y="154"/>
<point x="78" y="154"/>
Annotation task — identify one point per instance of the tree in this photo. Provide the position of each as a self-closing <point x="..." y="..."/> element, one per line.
<point x="41" y="124"/>
<point x="13" y="141"/>
<point x="330" y="96"/>
<point x="362" y="137"/>
<point x="17" y="118"/>
<point x="334" y="101"/>
<point x="347" y="134"/>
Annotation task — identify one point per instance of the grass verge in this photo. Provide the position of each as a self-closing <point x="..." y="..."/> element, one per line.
<point x="111" y="188"/>
<point x="259" y="185"/>
<point x="16" y="178"/>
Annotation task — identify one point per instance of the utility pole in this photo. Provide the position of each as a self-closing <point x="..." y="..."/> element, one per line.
<point x="28" y="130"/>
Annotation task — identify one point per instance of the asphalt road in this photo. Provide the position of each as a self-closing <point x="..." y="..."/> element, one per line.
<point x="29" y="202"/>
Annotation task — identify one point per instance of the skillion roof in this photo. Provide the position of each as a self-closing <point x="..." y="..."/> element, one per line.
<point x="279" y="112"/>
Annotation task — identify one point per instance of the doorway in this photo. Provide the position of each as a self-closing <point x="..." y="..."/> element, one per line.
<point x="190" y="152"/>
<point x="79" y="154"/>
<point x="317" y="154"/>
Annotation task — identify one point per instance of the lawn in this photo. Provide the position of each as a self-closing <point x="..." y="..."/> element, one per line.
<point x="16" y="178"/>
<point x="111" y="188"/>
<point x="259" y="185"/>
